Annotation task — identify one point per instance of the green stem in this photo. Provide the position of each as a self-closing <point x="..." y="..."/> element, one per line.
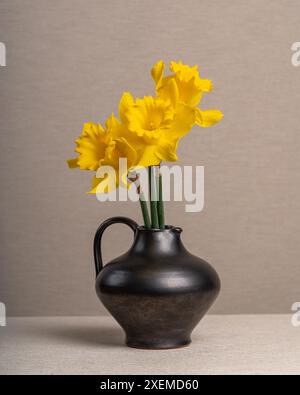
<point x="143" y="204"/>
<point x="153" y="198"/>
<point x="145" y="212"/>
<point x="160" y="204"/>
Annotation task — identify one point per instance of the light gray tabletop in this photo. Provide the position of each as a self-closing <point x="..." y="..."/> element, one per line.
<point x="225" y="344"/>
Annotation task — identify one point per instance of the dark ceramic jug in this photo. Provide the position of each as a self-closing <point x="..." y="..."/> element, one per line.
<point x="157" y="291"/>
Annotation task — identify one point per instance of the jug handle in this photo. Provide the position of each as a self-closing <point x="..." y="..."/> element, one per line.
<point x="98" y="236"/>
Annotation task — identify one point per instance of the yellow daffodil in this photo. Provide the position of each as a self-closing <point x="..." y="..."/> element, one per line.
<point x="185" y="84"/>
<point x="91" y="146"/>
<point x="154" y="127"/>
<point x="93" y="142"/>
<point x="103" y="147"/>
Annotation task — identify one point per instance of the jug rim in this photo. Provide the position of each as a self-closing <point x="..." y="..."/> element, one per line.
<point x="167" y="228"/>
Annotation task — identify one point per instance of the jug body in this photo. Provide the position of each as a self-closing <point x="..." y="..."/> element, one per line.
<point x="157" y="291"/>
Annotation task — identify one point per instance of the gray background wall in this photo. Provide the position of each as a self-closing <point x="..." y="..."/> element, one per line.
<point x="68" y="62"/>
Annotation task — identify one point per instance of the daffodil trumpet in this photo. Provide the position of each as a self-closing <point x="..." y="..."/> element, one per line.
<point x="146" y="132"/>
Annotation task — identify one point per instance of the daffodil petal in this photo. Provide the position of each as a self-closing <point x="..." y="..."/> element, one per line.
<point x="207" y="118"/>
<point x="170" y="92"/>
<point x="147" y="157"/>
<point x="128" y="152"/>
<point x="166" y="151"/>
<point x="112" y="122"/>
<point x="103" y="185"/>
<point x="183" y="122"/>
<point x="205" y="85"/>
<point x="126" y="102"/>
<point x="95" y="183"/>
<point x="195" y="99"/>
<point x="158" y="71"/>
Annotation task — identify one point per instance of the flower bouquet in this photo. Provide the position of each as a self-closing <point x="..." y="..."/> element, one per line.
<point x="157" y="291"/>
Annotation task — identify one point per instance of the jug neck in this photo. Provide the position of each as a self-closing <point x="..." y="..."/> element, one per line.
<point x="158" y="241"/>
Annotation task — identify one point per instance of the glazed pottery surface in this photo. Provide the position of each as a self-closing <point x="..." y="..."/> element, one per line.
<point x="157" y="291"/>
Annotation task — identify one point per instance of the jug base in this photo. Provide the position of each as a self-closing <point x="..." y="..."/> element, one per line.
<point x="161" y="344"/>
